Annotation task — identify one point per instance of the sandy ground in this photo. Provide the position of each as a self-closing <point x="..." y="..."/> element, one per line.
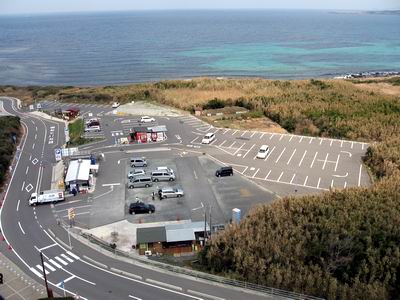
<point x="149" y="109"/>
<point x="381" y="87"/>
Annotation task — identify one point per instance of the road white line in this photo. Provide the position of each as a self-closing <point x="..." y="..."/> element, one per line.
<point x="262" y="135"/>
<point x="280" y="155"/>
<point x="315" y="156"/>
<point x="111" y="184"/>
<point x="194" y="140"/>
<point x="167" y="285"/>
<point x="269" y="154"/>
<point x="69" y="278"/>
<point x="23" y="186"/>
<point x="345" y="184"/>
<point x="320" y="141"/>
<point x="291" y="138"/>
<point x="291" y="181"/>
<point x="36" y="272"/>
<point x="311" y="139"/>
<point x="253" y="134"/>
<point x="27" y="170"/>
<point x="288" y="162"/>
<point x="301" y="139"/>
<point x="33" y="146"/>
<point x="272" y="136"/>
<point x="281" y="137"/>
<point x="305" y="181"/>
<point x="232" y="144"/>
<point x="301" y="160"/>
<point x="35" y="136"/>
<point x="254" y="175"/>
<point x="332" y="184"/>
<point x="233" y="133"/>
<point x="326" y="159"/>
<point x="41" y="269"/>
<point x="220" y="145"/>
<point x="226" y="130"/>
<point x="238" y="149"/>
<point x="337" y="162"/>
<point x="248" y="151"/>
<point x="76" y="207"/>
<point x="195" y="174"/>
<point x="244" y="133"/>
<point x="67" y="258"/>
<point x="359" y="175"/>
<point x="133" y="297"/>
<point x="61" y="261"/>
<point x="362" y="146"/>
<point x="78" y="214"/>
<point x="319" y="181"/>
<point x="268" y="174"/>
<point x="207" y="296"/>
<point x="280" y="176"/>
<point x="47" y="247"/>
<point x="352" y="145"/>
<point x="18" y="204"/>
<point x="55" y="263"/>
<point x="341" y="143"/>
<point x="331" y="143"/>
<point x="73" y="255"/>
<point x="20" y="227"/>
<point x="48" y="266"/>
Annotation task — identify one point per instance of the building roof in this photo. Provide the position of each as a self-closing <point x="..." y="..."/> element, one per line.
<point x="180" y="235"/>
<point x="140" y="129"/>
<point x="78" y="170"/>
<point x="150" y="235"/>
<point x="194" y="226"/>
<point x="160" y="128"/>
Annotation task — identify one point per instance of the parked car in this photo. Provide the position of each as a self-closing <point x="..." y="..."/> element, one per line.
<point x="147" y="119"/>
<point x="93" y="129"/>
<point x="138" y="162"/>
<point x="93" y="123"/>
<point x="115" y="105"/>
<point x="140" y="181"/>
<point x="136" y="172"/>
<point x="208" y="138"/>
<point x="91" y="120"/>
<point x="165" y="169"/>
<point x="263" y="152"/>
<point x="162" y="176"/>
<point x="224" y="171"/>
<point x="169" y="192"/>
<point x="141" y="208"/>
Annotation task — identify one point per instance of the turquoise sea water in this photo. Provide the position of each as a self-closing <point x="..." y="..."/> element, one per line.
<point x="115" y="48"/>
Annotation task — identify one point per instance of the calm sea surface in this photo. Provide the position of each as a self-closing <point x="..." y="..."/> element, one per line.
<point x="116" y="48"/>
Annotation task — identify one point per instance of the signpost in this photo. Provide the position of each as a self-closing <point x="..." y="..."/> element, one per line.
<point x="57" y="153"/>
<point x="66" y="131"/>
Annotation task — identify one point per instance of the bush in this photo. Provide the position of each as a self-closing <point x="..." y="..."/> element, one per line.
<point x="214" y="104"/>
<point x="8" y="126"/>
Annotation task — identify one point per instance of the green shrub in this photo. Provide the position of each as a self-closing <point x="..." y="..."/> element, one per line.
<point x="214" y="104"/>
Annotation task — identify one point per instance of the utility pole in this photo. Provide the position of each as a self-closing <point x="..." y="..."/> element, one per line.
<point x="205" y="226"/>
<point x="210" y="221"/>
<point x="49" y="291"/>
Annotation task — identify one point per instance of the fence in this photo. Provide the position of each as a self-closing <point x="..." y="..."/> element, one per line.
<point x="201" y="275"/>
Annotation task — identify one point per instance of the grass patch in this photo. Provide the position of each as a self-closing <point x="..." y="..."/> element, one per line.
<point x="76" y="130"/>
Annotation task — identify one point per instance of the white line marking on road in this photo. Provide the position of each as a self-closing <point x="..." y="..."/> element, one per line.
<point x="319" y="181"/>
<point x="55" y="263"/>
<point x="35" y="136"/>
<point x="133" y="297"/>
<point x="23" y="186"/>
<point x="326" y="159"/>
<point x="345" y="184"/>
<point x="291" y="181"/>
<point x="362" y="146"/>
<point x="291" y="138"/>
<point x="331" y="143"/>
<point x="67" y="258"/>
<point x="36" y="272"/>
<point x="47" y="247"/>
<point x="233" y="133"/>
<point x="280" y="155"/>
<point x="312" y="164"/>
<point x="68" y="279"/>
<point x="268" y="174"/>
<point x="337" y="162"/>
<point x="320" y="141"/>
<point x="226" y="130"/>
<point x="35" y="161"/>
<point x="194" y="140"/>
<point x="288" y="162"/>
<point x="359" y="175"/>
<point x="311" y="139"/>
<point x="238" y="149"/>
<point x="30" y="157"/>
<point x="269" y="154"/>
<point x="73" y="255"/>
<point x="244" y="133"/>
<point x="232" y="144"/>
<point x="47" y="265"/>
<point x="79" y="214"/>
<point x="352" y="145"/>
<point x="61" y="261"/>
<point x="220" y="145"/>
<point x="301" y="139"/>
<point x="262" y="135"/>
<point x="305" y="181"/>
<point x="272" y="136"/>
<point x="341" y="143"/>
<point x="345" y="175"/>
<point x="111" y="184"/>
<point x="281" y="137"/>
<point x="280" y="176"/>
<point x="301" y="160"/>
<point x="20" y="227"/>
<point x="41" y="269"/>
<point x="248" y="151"/>
<point x="33" y="146"/>
<point x="195" y="175"/>
<point x="18" y="204"/>
<point x="332" y="183"/>
<point x="255" y="173"/>
<point x="207" y="296"/>
<point x="253" y="134"/>
<point x="27" y="170"/>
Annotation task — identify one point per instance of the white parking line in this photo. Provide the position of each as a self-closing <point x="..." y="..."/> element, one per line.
<point x="227" y="130"/>
<point x="288" y="162"/>
<point x="337" y="162"/>
<point x="262" y="135"/>
<point x="233" y="133"/>
<point x="301" y="160"/>
<point x="194" y="140"/>
<point x="281" y="137"/>
<point x="362" y="146"/>
<point x="280" y="176"/>
<point x="291" y="138"/>
<point x="352" y="145"/>
<point x="291" y="181"/>
<point x="254" y="175"/>
<point x="315" y="156"/>
<point x="253" y="134"/>
<point x="244" y="133"/>
<point x="301" y="139"/>
<point x="331" y="143"/>
<point x="238" y="149"/>
<point x="305" y="181"/>
<point x="272" y="136"/>
<point x="280" y="155"/>
<point x="232" y="144"/>
<point x="320" y="141"/>
<point x="326" y="159"/>
<point x="341" y="143"/>
<point x="248" y="151"/>
<point x="268" y="174"/>
<point x="345" y="184"/>
<point x="359" y="175"/>
<point x="269" y="154"/>
<point x="311" y="139"/>
<point x="220" y="145"/>
<point x="319" y="181"/>
<point x="332" y="183"/>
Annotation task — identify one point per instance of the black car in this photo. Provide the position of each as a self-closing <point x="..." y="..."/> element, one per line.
<point x="141" y="208"/>
<point x="224" y="171"/>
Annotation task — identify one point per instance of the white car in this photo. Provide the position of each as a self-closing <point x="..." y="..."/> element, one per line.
<point x="115" y="105"/>
<point x="169" y="170"/>
<point x="147" y="119"/>
<point x="136" y="172"/>
<point x="91" y="120"/>
<point x="208" y="138"/>
<point x="263" y="152"/>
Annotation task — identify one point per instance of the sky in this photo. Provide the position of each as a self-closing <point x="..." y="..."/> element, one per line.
<point x="49" y="6"/>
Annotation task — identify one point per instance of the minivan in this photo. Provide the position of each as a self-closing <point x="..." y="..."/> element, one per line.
<point x="138" y="162"/>
<point x="224" y="171"/>
<point x="208" y="138"/>
<point x="162" y="176"/>
<point x="169" y="192"/>
<point x="93" y="129"/>
<point x="140" y="181"/>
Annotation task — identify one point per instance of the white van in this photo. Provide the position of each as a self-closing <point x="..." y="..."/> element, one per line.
<point x="208" y="138"/>
<point x="51" y="196"/>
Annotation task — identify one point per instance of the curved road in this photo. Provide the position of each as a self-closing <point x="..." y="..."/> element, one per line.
<point x="83" y="270"/>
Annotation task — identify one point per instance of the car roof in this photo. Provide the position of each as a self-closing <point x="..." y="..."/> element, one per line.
<point x="264" y="147"/>
<point x="209" y="134"/>
<point x="226" y="168"/>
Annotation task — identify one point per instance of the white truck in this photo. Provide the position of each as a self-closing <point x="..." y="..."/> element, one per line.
<point x="51" y="196"/>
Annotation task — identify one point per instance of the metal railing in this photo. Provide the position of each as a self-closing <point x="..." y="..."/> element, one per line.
<point x="201" y="275"/>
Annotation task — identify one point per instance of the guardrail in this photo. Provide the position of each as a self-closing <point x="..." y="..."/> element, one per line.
<point x="201" y="275"/>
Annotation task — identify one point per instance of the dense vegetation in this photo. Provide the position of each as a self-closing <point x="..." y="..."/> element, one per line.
<point x="8" y="126"/>
<point x="339" y="245"/>
<point x="76" y="131"/>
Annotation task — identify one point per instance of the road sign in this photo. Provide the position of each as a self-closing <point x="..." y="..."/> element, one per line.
<point x="57" y="153"/>
<point x="31" y="107"/>
<point x="39" y="106"/>
<point x="61" y="285"/>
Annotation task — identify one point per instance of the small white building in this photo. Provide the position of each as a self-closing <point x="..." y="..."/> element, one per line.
<point x="79" y="175"/>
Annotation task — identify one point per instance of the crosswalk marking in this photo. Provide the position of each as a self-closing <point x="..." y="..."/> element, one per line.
<point x="67" y="258"/>
<point x="55" y="263"/>
<point x="73" y="255"/>
<point x="61" y="261"/>
<point x="36" y="272"/>
<point x="41" y="269"/>
<point x="48" y="266"/>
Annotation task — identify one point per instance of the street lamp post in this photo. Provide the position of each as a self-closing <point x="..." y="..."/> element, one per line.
<point x="205" y="219"/>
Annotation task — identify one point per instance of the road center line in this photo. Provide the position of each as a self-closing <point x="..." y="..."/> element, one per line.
<point x="23" y="185"/>
<point x="27" y="169"/>
<point x="20" y="227"/>
<point x="18" y="204"/>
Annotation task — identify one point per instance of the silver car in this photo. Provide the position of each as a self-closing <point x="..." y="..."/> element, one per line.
<point x="138" y="162"/>
<point x="136" y="172"/>
<point x="162" y="176"/>
<point x="170" y="193"/>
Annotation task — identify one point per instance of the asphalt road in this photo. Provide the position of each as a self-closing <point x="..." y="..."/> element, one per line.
<point x="29" y="230"/>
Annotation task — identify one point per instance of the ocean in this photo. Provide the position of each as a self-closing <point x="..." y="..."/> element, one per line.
<point x="124" y="47"/>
